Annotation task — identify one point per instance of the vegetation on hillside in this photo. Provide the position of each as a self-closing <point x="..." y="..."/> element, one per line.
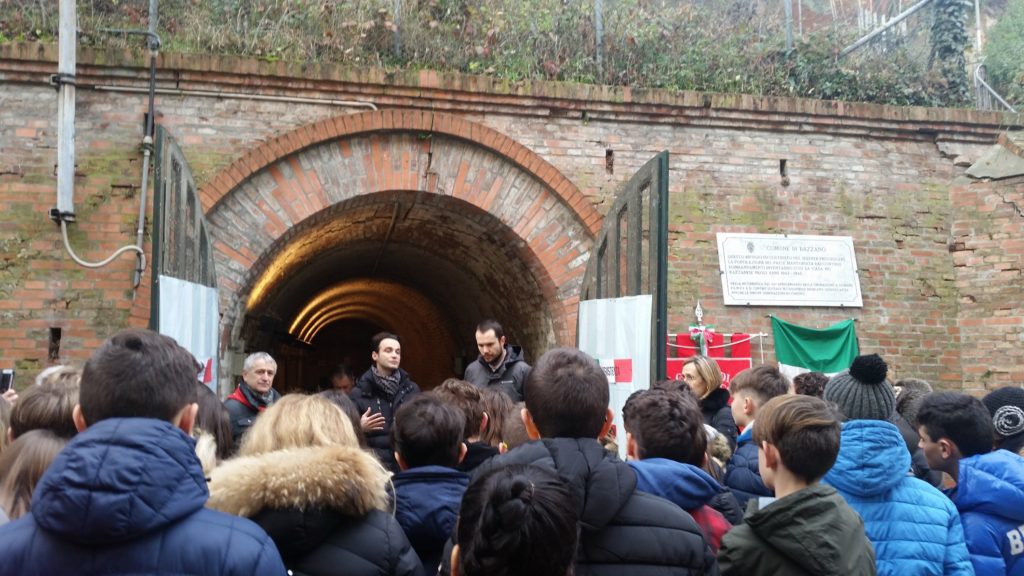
<point x="706" y="45"/>
<point x="1004" y="53"/>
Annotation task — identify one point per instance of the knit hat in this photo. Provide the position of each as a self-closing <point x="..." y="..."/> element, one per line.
<point x="862" y="392"/>
<point x="1006" y="405"/>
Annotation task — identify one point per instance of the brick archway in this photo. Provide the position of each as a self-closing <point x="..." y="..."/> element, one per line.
<point x="439" y="196"/>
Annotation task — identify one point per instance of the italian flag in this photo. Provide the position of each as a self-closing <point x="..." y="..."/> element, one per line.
<point x="799" y="349"/>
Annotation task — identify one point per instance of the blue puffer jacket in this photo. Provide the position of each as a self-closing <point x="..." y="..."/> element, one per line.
<point x="741" y="473"/>
<point x="914" y="528"/>
<point x="990" y="497"/>
<point x="126" y="496"/>
<point x="427" y="501"/>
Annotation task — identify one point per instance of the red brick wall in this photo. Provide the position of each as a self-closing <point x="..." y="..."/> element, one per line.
<point x="883" y="175"/>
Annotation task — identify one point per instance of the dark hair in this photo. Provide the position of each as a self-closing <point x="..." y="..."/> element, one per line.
<point x="500" y="411"/>
<point x="138" y="373"/>
<point x="427" y="432"/>
<point x="49" y="405"/>
<point x="22" y="465"/>
<point x="380" y="337"/>
<point x="666" y="424"/>
<point x="567" y="395"/>
<point x="214" y="418"/>
<point x="465" y="397"/>
<point x="763" y="382"/>
<point x="341" y="400"/>
<point x="344" y="371"/>
<point x="804" y="429"/>
<point x="487" y="325"/>
<point x="810" y="384"/>
<point x="679" y="387"/>
<point x="962" y="419"/>
<point x="518" y="520"/>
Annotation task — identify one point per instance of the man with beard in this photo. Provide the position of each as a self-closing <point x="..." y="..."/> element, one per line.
<point x="500" y="365"/>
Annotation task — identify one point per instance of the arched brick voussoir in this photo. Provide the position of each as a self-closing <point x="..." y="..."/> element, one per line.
<point x="284" y="145"/>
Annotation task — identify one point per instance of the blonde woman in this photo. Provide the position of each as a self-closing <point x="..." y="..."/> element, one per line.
<point x="302" y="477"/>
<point x="704" y="377"/>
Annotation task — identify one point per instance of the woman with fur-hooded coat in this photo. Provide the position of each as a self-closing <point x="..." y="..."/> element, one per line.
<point x="302" y="477"/>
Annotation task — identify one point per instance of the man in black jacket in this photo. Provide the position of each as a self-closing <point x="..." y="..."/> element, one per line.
<point x="379" y="392"/>
<point x="253" y="395"/>
<point x="499" y="365"/>
<point x="622" y="531"/>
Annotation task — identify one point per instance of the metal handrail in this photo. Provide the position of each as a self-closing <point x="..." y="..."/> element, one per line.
<point x="979" y="83"/>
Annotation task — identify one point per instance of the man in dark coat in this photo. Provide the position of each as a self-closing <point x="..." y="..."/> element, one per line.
<point x="499" y="365"/>
<point x="127" y="495"/>
<point x="254" y="393"/>
<point x="380" y="392"/>
<point x="623" y="531"/>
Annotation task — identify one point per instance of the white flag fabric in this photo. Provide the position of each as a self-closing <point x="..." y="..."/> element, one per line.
<point x="189" y="314"/>
<point x="617" y="333"/>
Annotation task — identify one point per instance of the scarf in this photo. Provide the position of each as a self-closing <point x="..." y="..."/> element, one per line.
<point x="387" y="385"/>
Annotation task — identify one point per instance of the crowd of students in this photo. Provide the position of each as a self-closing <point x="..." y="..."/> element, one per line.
<point x="130" y="466"/>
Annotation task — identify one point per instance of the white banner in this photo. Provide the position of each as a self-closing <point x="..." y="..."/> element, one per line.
<point x="189" y="314"/>
<point x="617" y="333"/>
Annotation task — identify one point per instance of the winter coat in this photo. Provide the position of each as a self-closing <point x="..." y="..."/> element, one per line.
<point x="509" y="377"/>
<point x="365" y="394"/>
<point x="427" y="501"/>
<point x="325" y="507"/>
<point x="726" y="504"/>
<point x="622" y="530"/>
<point x="990" y="498"/>
<point x="244" y="406"/>
<point x="811" y="532"/>
<point x="126" y="497"/>
<point x="742" y="475"/>
<point x="476" y="454"/>
<point x="686" y="486"/>
<point x="914" y="528"/>
<point x="718" y="414"/>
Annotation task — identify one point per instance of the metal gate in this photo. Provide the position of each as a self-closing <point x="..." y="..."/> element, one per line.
<point x="184" y="291"/>
<point x="630" y="256"/>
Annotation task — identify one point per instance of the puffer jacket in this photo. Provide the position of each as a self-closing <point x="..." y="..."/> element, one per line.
<point x="325" y="507"/>
<point x="990" y="498"/>
<point x="688" y="487"/>
<point x="126" y="497"/>
<point x="718" y="414"/>
<point x="811" y="532"/>
<point x="914" y="528"/>
<point x="622" y="530"/>
<point x="509" y="377"/>
<point x="427" y="500"/>
<point x="742" y="475"/>
<point x="366" y="395"/>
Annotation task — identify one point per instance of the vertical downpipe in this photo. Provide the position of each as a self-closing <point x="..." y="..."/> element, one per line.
<point x="66" y="63"/>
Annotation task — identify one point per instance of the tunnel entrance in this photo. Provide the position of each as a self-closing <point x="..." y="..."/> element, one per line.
<point x="426" y="267"/>
<point x="422" y="230"/>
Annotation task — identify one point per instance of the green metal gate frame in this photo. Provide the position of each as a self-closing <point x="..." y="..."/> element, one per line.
<point x="630" y="256"/>
<point x="181" y="238"/>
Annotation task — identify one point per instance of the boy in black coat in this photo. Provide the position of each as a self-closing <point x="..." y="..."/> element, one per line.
<point x="622" y="531"/>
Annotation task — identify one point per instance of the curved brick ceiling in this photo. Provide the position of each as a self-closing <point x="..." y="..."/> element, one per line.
<point x="442" y="266"/>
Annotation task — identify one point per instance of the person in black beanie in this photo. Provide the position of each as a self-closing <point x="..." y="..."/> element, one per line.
<point x="1007" y="408"/>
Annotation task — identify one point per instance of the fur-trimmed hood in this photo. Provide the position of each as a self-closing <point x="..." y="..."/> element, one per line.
<point x="340" y="478"/>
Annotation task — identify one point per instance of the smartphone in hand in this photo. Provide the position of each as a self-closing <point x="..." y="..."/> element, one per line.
<point x="6" y="379"/>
